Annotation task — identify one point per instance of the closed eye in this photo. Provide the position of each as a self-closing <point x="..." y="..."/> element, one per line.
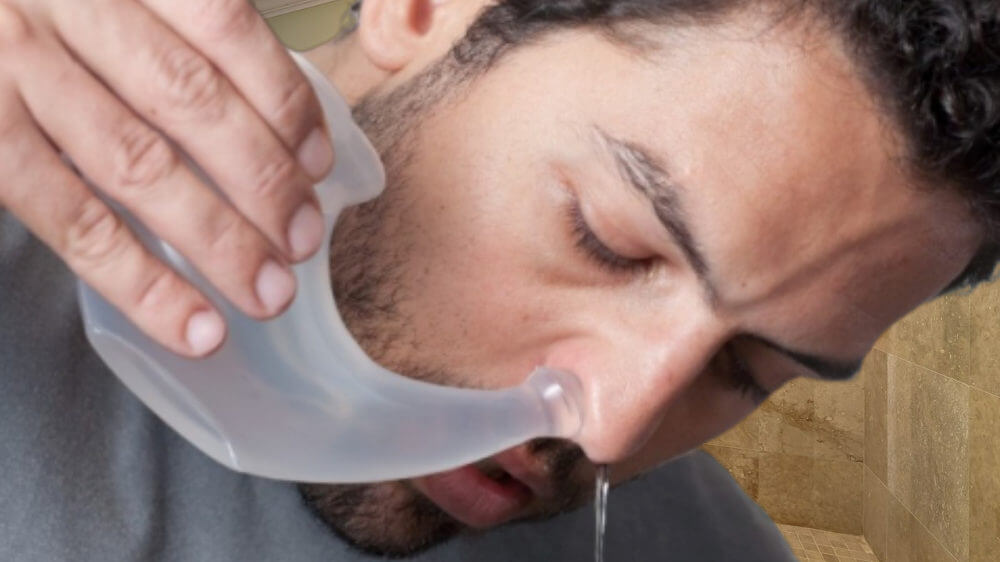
<point x="597" y="251"/>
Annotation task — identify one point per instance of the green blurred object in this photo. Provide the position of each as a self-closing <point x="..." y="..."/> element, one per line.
<point x="304" y="29"/>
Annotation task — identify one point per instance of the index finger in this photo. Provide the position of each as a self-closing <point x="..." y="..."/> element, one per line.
<point x="236" y="39"/>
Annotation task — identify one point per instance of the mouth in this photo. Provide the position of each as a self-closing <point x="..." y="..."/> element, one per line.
<point x="488" y="493"/>
<point x="475" y="499"/>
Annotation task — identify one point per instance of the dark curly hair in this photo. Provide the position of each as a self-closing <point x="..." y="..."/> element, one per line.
<point x="934" y="65"/>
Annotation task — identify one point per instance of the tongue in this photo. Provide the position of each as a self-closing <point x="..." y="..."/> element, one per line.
<point x="473" y="498"/>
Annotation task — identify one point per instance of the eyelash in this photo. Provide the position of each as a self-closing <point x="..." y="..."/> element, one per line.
<point x="597" y="251"/>
<point x="741" y="379"/>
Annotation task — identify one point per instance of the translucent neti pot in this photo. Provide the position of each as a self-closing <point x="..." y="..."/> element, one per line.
<point x="296" y="398"/>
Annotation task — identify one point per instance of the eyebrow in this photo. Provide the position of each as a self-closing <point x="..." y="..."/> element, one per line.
<point x="644" y="173"/>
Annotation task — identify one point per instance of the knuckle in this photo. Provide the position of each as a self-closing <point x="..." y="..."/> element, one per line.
<point x="273" y="177"/>
<point x="158" y="291"/>
<point x="140" y="159"/>
<point x="224" y="233"/>
<point x="14" y="28"/>
<point x="226" y="19"/>
<point x="95" y="236"/>
<point x="191" y="85"/>
<point x="293" y="110"/>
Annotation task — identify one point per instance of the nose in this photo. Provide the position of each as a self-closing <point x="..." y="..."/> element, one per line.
<point x="634" y="379"/>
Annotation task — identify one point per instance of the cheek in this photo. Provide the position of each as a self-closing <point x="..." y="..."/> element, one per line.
<point x="471" y="293"/>
<point x="467" y="294"/>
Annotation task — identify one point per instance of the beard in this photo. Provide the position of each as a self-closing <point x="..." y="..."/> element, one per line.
<point x="374" y="281"/>
<point x="393" y="519"/>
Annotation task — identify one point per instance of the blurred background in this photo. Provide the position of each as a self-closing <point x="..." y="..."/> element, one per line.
<point x="304" y="24"/>
<point x="900" y="464"/>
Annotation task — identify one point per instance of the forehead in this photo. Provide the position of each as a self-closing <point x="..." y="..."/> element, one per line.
<point x="784" y="144"/>
<point x="795" y="183"/>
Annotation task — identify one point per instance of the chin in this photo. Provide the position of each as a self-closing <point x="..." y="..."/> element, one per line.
<point x="384" y="519"/>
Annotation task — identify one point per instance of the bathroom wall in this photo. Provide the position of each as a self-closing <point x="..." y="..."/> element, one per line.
<point x="270" y="8"/>
<point x="304" y="28"/>
<point x="800" y="456"/>
<point x="908" y="453"/>
<point x="932" y="434"/>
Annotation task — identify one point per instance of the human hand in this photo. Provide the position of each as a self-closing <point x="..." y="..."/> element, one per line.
<point x="107" y="83"/>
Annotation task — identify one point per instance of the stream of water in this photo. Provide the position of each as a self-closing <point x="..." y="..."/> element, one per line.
<point x="600" y="511"/>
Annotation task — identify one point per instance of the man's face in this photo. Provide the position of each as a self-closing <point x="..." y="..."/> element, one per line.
<point x="724" y="212"/>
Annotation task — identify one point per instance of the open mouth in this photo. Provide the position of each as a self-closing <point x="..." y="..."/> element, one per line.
<point x="493" y="491"/>
<point x="477" y="498"/>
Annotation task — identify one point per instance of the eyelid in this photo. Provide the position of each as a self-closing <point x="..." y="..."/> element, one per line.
<point x="590" y="243"/>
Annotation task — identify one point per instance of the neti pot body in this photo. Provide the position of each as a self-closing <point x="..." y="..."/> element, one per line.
<point x="296" y="398"/>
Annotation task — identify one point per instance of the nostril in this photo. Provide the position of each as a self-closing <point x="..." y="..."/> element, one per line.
<point x="609" y="412"/>
<point x="618" y="438"/>
<point x="607" y="455"/>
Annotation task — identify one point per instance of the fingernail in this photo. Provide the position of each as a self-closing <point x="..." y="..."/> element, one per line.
<point x="204" y="331"/>
<point x="305" y="232"/>
<point x="275" y="286"/>
<point x="316" y="154"/>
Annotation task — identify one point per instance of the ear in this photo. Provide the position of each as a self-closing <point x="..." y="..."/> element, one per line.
<point x="394" y="32"/>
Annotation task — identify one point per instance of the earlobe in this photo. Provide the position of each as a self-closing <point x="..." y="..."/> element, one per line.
<point x="392" y="32"/>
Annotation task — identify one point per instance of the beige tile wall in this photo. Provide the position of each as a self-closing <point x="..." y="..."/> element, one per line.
<point x="800" y="455"/>
<point x="908" y="453"/>
<point x="932" y="434"/>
